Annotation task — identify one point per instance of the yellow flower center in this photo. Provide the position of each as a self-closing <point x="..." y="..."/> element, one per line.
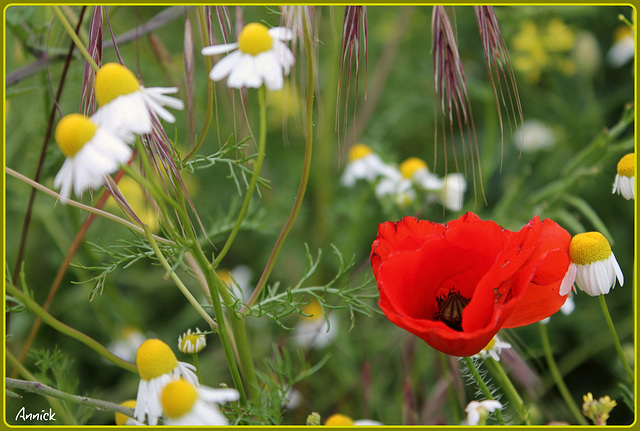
<point x="411" y="165"/>
<point x="589" y="247"/>
<point x="178" y="398"/>
<point x="72" y="132"/>
<point x="122" y="418"/>
<point x="254" y="39"/>
<point x="627" y="165"/>
<point x="113" y="80"/>
<point x="154" y="359"/>
<point x="358" y="151"/>
<point x="313" y="311"/>
<point x="339" y="420"/>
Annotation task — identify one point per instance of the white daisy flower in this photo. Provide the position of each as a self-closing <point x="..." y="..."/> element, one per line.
<point x="395" y="184"/>
<point x="493" y="349"/>
<point x="122" y="419"/>
<point x="185" y="404"/>
<point x="338" y="419"/>
<point x="593" y="267"/>
<point x="126" y="106"/>
<point x="452" y="193"/>
<point x="534" y="135"/>
<point x="416" y="170"/>
<point x="625" y="178"/>
<point x="364" y="164"/>
<point x="478" y="411"/>
<point x="92" y="152"/>
<point x="314" y="330"/>
<point x="623" y="48"/>
<point x="192" y="342"/>
<point x="238" y="279"/>
<point x="157" y="366"/>
<point x="261" y="57"/>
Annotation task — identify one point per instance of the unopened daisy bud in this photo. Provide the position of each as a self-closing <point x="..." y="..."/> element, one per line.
<point x="92" y="152"/>
<point x="192" y="342"/>
<point x="185" y="404"/>
<point x="625" y="178"/>
<point x="593" y="267"/>
<point x="157" y="366"/>
<point x="597" y="410"/>
<point x="122" y="419"/>
<point x="478" y="411"/>
<point x="126" y="106"/>
<point x="313" y="419"/>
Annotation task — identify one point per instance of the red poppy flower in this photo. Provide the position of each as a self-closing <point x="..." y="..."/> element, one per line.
<point x="455" y="285"/>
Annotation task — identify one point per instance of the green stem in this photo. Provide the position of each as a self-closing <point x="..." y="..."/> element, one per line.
<point x="176" y="279"/>
<point x="614" y="335"/>
<point x="32" y="306"/>
<point x="306" y="169"/>
<point x="39" y="388"/>
<point x="454" y="402"/>
<point x="262" y="139"/>
<point x="566" y="395"/>
<point x="216" y="289"/>
<point x="75" y="38"/>
<point x="195" y="364"/>
<point x="471" y="366"/>
<point x="54" y="402"/>
<point x="508" y="388"/>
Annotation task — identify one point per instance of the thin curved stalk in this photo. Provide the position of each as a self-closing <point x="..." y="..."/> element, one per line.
<point x="306" y="169"/>
<point x="47" y="318"/>
<point x="71" y="32"/>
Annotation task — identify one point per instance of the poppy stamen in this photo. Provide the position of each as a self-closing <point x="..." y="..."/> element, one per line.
<point x="450" y="307"/>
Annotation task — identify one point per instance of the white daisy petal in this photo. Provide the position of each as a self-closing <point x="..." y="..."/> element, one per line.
<point x="218" y="49"/>
<point x="225" y="66"/>
<point x="242" y="70"/>
<point x="281" y="33"/>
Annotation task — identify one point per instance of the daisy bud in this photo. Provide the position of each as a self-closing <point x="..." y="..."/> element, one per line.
<point x="186" y="404"/>
<point x="192" y="342"/>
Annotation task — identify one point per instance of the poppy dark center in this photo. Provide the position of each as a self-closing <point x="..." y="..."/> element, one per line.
<point x="450" y="306"/>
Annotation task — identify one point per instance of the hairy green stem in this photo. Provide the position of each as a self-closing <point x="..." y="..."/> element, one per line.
<point x="33" y="307"/>
<point x="562" y="387"/>
<point x="262" y="139"/>
<point x="71" y="32"/>
<point x="306" y="169"/>
<point x="471" y="366"/>
<point x="614" y="335"/>
<point x="54" y="402"/>
<point x="42" y="389"/>
<point x="87" y="208"/>
<point x="508" y="388"/>
<point x="176" y="279"/>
